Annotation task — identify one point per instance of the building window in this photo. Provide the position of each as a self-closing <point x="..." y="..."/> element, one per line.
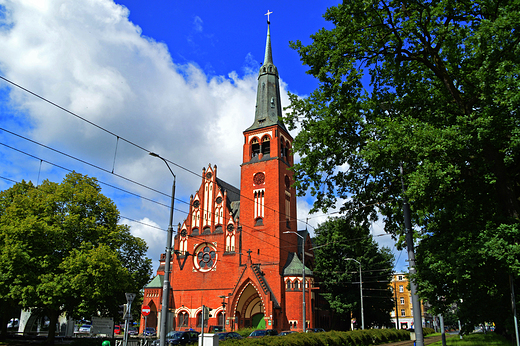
<point x="288" y="285"/>
<point x="183" y="319"/>
<point x="403" y="313"/>
<point x="400" y="278"/>
<point x="259" y="205"/>
<point x="402" y="301"/>
<point x="401" y="288"/>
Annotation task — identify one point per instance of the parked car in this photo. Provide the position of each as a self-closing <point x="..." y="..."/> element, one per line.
<point x="85" y="329"/>
<point x="181" y="338"/>
<point x="287" y="332"/>
<point x="215" y="329"/>
<point x="263" y="332"/>
<point x="117" y="329"/>
<point x="149" y="331"/>
<point x="229" y="335"/>
<point x="133" y="331"/>
<point x="315" y="330"/>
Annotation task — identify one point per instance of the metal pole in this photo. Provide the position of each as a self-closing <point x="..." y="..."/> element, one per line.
<point x="396" y="308"/>
<point x="360" y="292"/>
<point x="416" y="304"/>
<point x="166" y="282"/>
<point x="443" y="332"/>
<point x="304" y="288"/>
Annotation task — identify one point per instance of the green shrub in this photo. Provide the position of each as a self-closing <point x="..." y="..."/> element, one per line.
<point x="332" y="338"/>
<point x="428" y="331"/>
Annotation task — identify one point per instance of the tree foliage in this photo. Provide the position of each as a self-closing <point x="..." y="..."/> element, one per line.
<point x="336" y="240"/>
<point x="432" y="85"/>
<point x="62" y="250"/>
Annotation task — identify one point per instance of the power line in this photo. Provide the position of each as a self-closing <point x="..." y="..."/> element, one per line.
<point x="143" y="149"/>
<point x="101" y="182"/>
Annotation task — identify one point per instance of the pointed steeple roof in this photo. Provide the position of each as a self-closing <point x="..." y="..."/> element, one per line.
<point x="268" y="106"/>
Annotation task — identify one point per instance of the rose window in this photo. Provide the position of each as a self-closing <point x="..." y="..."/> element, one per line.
<point x="206" y="258"/>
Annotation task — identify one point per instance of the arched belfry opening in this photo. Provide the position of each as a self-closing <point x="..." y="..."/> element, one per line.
<point x="266" y="146"/>
<point x="255" y="147"/>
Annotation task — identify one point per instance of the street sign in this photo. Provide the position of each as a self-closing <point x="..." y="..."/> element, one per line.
<point x="130" y="297"/>
<point x="145" y="310"/>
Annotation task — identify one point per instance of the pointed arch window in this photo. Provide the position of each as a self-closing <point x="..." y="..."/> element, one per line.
<point x="259" y="204"/>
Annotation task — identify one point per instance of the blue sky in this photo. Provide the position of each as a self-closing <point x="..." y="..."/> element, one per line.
<point x="174" y="77"/>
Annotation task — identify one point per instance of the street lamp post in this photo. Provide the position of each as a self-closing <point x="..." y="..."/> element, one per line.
<point x="224" y="310"/>
<point x="360" y="291"/>
<point x="166" y="282"/>
<point x="303" y="279"/>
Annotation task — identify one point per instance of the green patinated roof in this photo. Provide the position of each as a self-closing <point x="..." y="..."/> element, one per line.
<point x="156" y="282"/>
<point x="293" y="267"/>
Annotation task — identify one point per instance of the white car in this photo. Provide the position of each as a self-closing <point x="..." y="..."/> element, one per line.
<point x="85" y="329"/>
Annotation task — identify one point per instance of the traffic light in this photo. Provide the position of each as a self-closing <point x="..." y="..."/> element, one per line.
<point x="122" y="310"/>
<point x="207" y="312"/>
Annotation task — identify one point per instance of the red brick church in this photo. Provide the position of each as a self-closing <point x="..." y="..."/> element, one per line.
<point x="237" y="252"/>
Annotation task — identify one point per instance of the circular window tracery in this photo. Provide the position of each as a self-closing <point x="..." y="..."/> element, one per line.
<point x="206" y="257"/>
<point x="259" y="178"/>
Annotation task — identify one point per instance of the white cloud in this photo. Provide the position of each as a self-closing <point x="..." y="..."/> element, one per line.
<point x="88" y="57"/>
<point x="151" y="233"/>
<point x="197" y="24"/>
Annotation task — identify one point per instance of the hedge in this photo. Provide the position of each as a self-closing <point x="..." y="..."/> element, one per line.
<point x="332" y="338"/>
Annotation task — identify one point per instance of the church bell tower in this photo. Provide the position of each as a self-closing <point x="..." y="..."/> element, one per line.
<point x="268" y="202"/>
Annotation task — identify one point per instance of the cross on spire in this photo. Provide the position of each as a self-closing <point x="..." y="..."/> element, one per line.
<point x="267" y="14"/>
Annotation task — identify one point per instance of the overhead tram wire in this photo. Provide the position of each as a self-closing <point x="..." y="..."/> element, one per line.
<point x="117" y="137"/>
<point x="115" y="187"/>
<point x="82" y="161"/>
<point x="137" y="146"/>
<point x="129" y="142"/>
<point x="101" y="182"/>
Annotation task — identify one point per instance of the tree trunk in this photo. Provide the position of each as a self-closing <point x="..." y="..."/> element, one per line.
<point x="53" y="320"/>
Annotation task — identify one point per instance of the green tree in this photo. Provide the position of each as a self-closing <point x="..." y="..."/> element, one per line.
<point x="62" y="250"/>
<point x="432" y="85"/>
<point x="338" y="239"/>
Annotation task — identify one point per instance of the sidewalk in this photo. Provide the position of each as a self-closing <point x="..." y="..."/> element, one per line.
<point x="427" y="340"/>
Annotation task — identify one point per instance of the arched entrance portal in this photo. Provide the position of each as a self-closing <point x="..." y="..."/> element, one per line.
<point x="249" y="309"/>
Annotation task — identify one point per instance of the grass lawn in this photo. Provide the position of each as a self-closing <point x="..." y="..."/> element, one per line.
<point x="478" y="339"/>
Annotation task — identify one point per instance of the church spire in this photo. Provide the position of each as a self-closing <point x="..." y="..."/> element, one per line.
<point x="268" y="107"/>
<point x="268" y="52"/>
